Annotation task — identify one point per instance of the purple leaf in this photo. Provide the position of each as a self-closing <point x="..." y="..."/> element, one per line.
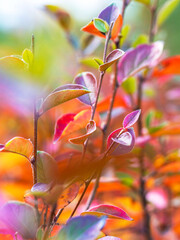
<point x="40" y="187"/>
<point x="131" y="118"/>
<point x="81" y="228"/>
<point x="134" y="60"/>
<point x="89" y="81"/>
<point x="112" y="57"/>
<point x="20" y="217"/>
<point x="123" y="143"/>
<point x="110" y="14"/>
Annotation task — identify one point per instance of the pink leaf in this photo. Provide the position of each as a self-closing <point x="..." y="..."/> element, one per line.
<point x="123" y="143"/>
<point x="61" y="124"/>
<point x="89" y="81"/>
<point x="91" y="127"/>
<point x="108" y="210"/>
<point x="19" y="217"/>
<point x="131" y="118"/>
<point x="134" y="60"/>
<point x="158" y="197"/>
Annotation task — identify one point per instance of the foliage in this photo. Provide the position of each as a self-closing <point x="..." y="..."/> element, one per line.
<point x="129" y="174"/>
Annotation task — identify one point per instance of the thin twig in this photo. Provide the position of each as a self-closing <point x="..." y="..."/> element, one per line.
<point x="152" y="30"/>
<point x="81" y="197"/>
<point x="47" y="231"/>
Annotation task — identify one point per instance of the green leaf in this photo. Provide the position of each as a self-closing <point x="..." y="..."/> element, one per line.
<point x="125" y="178"/>
<point x="124" y="32"/>
<point x="157" y="128"/>
<point x="89" y="62"/>
<point x="27" y="56"/>
<point x="46" y="167"/>
<point x="149" y="118"/>
<point x="130" y="85"/>
<point x="101" y="25"/>
<point x="147" y="2"/>
<point x="166" y="10"/>
<point x="140" y="40"/>
<point x="98" y="61"/>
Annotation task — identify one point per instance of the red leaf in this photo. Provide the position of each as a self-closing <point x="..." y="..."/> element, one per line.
<point x="124" y="143"/>
<point x="61" y="124"/>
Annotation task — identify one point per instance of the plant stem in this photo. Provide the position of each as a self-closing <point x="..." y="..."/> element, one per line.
<point x="93" y="113"/>
<point x="47" y="231"/>
<point x="108" y="119"/>
<point x="141" y="79"/>
<point x="81" y="197"/>
<point x="146" y="217"/>
<point x="34" y="162"/>
<point x="152" y="31"/>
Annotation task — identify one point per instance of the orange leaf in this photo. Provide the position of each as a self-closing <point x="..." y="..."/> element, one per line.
<point x="91" y="127"/>
<point x="90" y="28"/>
<point x="20" y="146"/>
<point x="117" y="27"/>
<point x="168" y="66"/>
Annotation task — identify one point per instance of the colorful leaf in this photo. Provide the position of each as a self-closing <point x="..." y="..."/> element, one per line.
<point x="142" y="39"/>
<point x="80" y="122"/>
<point x="101" y="25"/>
<point x="168" y="66"/>
<point x="27" y="56"/>
<point x="130" y="85"/>
<point x="90" y="28"/>
<point x="51" y="193"/>
<point x="61" y="124"/>
<point x="123" y="143"/>
<point x="88" y="80"/>
<point x="134" y="60"/>
<point x="110" y="13"/>
<point x="124" y="32"/>
<point x="46" y="167"/>
<point x="80" y="228"/>
<point x="112" y="57"/>
<point x="125" y="178"/>
<point x="20" y="217"/>
<point x="109" y="211"/>
<point x="19" y="145"/>
<point x="63" y="94"/>
<point x="131" y="118"/>
<point x="91" y="127"/>
<point x="158" y="197"/>
<point x="166" y="10"/>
